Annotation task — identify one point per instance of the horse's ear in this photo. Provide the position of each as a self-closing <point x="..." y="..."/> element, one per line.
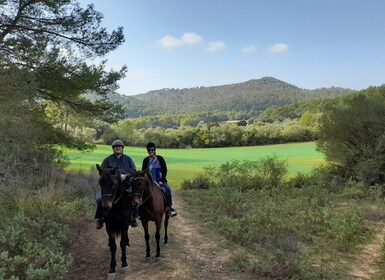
<point x="132" y="172"/>
<point x="148" y="173"/>
<point x="113" y="171"/>
<point x="99" y="169"/>
<point x="143" y="172"/>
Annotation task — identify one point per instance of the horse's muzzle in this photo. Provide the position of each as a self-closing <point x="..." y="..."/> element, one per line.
<point x="107" y="204"/>
<point x="136" y="201"/>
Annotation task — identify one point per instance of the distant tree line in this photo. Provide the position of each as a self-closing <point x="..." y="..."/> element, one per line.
<point x="209" y="135"/>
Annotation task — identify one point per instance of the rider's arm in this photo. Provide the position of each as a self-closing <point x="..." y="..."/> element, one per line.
<point x="145" y="163"/>
<point x="106" y="162"/>
<point x="163" y="166"/>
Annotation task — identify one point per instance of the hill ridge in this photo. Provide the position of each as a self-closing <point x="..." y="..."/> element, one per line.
<point x="251" y="97"/>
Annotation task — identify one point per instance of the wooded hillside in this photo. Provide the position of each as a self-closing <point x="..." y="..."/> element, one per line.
<point x="251" y="97"/>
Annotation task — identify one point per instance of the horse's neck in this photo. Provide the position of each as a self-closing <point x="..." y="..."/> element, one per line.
<point x="152" y="189"/>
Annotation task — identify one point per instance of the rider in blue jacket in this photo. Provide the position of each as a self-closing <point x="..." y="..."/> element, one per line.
<point x="124" y="164"/>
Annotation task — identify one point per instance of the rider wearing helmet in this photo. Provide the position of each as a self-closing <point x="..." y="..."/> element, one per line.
<point x="124" y="164"/>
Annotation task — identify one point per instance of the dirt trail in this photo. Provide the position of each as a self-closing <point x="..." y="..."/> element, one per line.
<point x="193" y="253"/>
<point x="366" y="265"/>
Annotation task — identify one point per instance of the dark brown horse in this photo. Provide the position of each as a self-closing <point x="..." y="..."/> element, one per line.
<point x="117" y="207"/>
<point x="153" y="207"/>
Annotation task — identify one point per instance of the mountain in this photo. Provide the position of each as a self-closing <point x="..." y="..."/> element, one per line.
<point x="251" y="97"/>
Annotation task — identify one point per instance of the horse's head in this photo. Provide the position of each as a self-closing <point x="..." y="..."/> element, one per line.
<point x="109" y="182"/>
<point x="138" y="185"/>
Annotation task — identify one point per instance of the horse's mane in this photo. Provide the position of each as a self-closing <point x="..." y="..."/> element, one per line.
<point x="147" y="175"/>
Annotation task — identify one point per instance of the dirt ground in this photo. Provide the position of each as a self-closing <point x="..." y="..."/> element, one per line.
<point x="193" y="252"/>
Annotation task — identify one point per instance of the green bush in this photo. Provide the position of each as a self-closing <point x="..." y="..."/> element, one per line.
<point x="345" y="228"/>
<point x="200" y="182"/>
<point x="34" y="228"/>
<point x="32" y="248"/>
<point x="354" y="189"/>
<point x="251" y="175"/>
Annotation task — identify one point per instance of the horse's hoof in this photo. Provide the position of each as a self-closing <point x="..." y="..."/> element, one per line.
<point x="147" y="259"/>
<point x="111" y="276"/>
<point x="158" y="259"/>
<point x="126" y="269"/>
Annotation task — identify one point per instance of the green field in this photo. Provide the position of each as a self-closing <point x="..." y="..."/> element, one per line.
<point x="185" y="163"/>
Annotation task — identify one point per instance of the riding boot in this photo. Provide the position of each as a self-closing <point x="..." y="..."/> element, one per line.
<point x="173" y="212"/>
<point x="134" y="223"/>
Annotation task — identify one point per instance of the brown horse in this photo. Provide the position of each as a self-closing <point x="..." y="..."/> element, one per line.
<point x="152" y="208"/>
<point x="117" y="206"/>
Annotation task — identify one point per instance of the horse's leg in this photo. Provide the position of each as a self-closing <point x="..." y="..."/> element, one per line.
<point x="112" y="244"/>
<point x="123" y="245"/>
<point x="158" y="224"/>
<point x="146" y="237"/>
<point x="165" y="228"/>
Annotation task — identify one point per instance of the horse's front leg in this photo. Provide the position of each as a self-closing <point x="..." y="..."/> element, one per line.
<point x="112" y="244"/>
<point x="165" y="228"/>
<point x="123" y="245"/>
<point x="157" y="238"/>
<point x="146" y="238"/>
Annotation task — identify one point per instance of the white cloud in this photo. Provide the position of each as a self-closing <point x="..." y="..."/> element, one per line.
<point x="216" y="46"/>
<point x="249" y="49"/>
<point x="169" y="42"/>
<point x="187" y="39"/>
<point x="191" y="38"/>
<point x="278" y="48"/>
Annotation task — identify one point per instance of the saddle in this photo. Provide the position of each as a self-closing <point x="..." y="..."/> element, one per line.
<point x="163" y="192"/>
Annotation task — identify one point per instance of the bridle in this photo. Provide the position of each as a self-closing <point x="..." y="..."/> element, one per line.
<point x="140" y="194"/>
<point x="113" y="194"/>
<point x="134" y="180"/>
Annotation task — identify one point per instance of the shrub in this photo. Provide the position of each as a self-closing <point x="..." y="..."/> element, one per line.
<point x="354" y="189"/>
<point x="300" y="181"/>
<point x="32" y="249"/>
<point x="345" y="228"/>
<point x="252" y="175"/>
<point x="200" y="182"/>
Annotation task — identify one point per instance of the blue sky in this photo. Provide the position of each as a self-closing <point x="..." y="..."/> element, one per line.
<point x="190" y="43"/>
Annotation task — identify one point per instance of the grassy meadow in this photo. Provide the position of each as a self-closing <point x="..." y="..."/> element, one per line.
<point x="185" y="163"/>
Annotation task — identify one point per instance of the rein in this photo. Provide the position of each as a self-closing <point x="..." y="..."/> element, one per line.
<point x="120" y="196"/>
